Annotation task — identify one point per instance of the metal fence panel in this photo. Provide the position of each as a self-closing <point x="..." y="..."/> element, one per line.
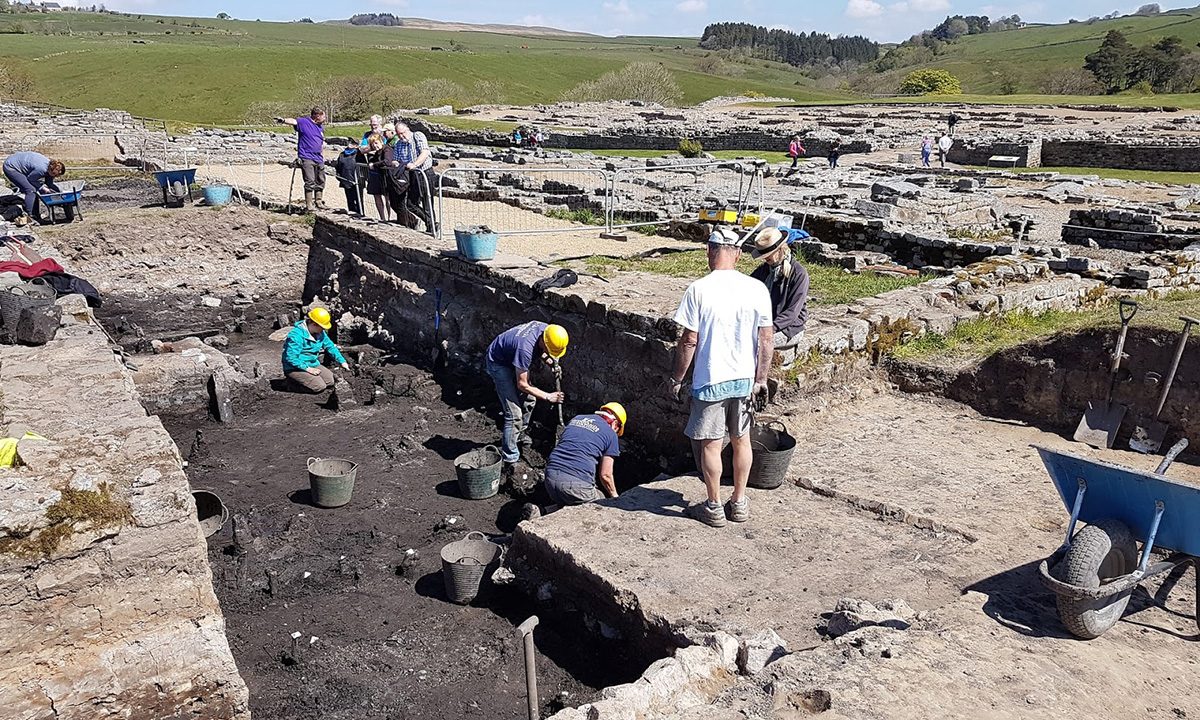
<point x="524" y="200"/>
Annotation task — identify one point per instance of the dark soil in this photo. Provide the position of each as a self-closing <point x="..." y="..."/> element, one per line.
<point x="388" y="644"/>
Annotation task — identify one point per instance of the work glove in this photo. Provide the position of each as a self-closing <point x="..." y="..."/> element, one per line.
<point x="758" y="397"/>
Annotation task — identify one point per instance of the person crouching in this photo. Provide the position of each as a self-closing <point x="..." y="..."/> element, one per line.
<point x="302" y="353"/>
<point x="584" y="457"/>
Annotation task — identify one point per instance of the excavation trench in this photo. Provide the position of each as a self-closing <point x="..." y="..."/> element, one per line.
<point x="375" y="628"/>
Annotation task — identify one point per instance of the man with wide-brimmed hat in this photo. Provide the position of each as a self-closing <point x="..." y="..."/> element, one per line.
<point x="787" y="281"/>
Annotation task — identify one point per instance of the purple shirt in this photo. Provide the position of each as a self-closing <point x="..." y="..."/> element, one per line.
<point x="585" y="440"/>
<point x="514" y="347"/>
<point x="310" y="140"/>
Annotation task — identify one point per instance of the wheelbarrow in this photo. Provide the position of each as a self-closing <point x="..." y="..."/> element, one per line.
<point x="67" y="198"/>
<point x="175" y="185"/>
<point x="1097" y="569"/>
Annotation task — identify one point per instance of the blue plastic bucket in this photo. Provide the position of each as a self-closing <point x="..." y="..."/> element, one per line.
<point x="217" y="194"/>
<point x="476" y="243"/>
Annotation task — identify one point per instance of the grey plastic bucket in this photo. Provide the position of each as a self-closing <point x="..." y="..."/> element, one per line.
<point x="211" y="513"/>
<point x="772" y="449"/>
<point x="464" y="563"/>
<point x="331" y="481"/>
<point x="479" y="473"/>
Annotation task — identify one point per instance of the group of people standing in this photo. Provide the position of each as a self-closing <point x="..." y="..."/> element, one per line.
<point x="391" y="162"/>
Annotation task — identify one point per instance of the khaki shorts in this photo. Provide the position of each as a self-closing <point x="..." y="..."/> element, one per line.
<point x="713" y="420"/>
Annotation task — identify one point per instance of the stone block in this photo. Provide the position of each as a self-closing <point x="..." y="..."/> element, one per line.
<point x="759" y="651"/>
<point x="38" y="325"/>
<point x="851" y="614"/>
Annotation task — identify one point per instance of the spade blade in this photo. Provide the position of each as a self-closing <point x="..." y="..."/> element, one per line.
<point x="1099" y="425"/>
<point x="1148" y="438"/>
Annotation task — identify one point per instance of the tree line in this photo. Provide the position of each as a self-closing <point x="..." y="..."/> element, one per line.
<point x="797" y="49"/>
<point x="385" y="19"/>
<point x="1167" y="65"/>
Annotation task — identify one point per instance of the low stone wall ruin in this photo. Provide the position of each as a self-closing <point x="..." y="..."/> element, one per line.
<point x="1136" y="229"/>
<point x="106" y="599"/>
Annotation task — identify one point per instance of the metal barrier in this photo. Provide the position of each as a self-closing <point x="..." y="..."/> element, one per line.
<point x="658" y="195"/>
<point x="89" y="146"/>
<point x="492" y="197"/>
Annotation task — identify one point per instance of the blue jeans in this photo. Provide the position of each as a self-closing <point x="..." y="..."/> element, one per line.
<point x="516" y="409"/>
<point x="26" y="187"/>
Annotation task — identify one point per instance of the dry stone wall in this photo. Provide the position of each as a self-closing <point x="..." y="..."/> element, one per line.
<point x="1137" y="229"/>
<point x="106" y="600"/>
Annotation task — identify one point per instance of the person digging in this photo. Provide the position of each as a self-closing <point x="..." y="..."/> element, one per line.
<point x="510" y="357"/>
<point x="580" y="469"/>
<point x="302" y="353"/>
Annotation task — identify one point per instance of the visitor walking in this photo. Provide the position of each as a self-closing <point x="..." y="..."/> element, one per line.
<point x="944" y="145"/>
<point x="795" y="152"/>
<point x="32" y="173"/>
<point x="835" y="152"/>
<point x="310" y="142"/>
<point x="951" y="121"/>
<point x="926" y="150"/>
<point x="728" y="343"/>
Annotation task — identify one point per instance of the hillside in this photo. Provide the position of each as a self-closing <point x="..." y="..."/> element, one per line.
<point x="1031" y="55"/>
<point x="444" y="26"/>
<point x="207" y="70"/>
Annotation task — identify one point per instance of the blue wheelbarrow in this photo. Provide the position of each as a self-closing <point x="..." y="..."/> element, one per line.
<point x="1097" y="569"/>
<point x="67" y="199"/>
<point x="176" y="185"/>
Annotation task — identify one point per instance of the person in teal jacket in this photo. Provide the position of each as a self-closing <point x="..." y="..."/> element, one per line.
<point x="302" y="353"/>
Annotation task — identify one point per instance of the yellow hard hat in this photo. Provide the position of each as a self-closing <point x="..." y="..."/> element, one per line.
<point x="555" y="339"/>
<point x="320" y="316"/>
<point x="618" y="412"/>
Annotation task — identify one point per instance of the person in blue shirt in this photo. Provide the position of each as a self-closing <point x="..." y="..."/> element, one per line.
<point x="302" y="353"/>
<point x="510" y="357"/>
<point x="32" y="173"/>
<point x="584" y="456"/>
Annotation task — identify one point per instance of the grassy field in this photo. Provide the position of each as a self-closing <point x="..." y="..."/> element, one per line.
<point x="828" y="285"/>
<point x="1158" y="176"/>
<point x="210" y="71"/>
<point x="1032" y="55"/>
<point x="992" y="333"/>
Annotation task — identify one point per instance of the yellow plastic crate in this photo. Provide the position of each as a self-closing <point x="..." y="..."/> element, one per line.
<point x="749" y="220"/>
<point x="720" y="216"/>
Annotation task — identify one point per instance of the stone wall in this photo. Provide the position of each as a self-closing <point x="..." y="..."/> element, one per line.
<point x="970" y="151"/>
<point x="1182" y="155"/>
<point x="106" y="600"/>
<point x="1136" y="229"/>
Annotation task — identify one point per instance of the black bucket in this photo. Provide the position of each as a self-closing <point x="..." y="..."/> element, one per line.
<point x="210" y="511"/>
<point x="772" y="447"/>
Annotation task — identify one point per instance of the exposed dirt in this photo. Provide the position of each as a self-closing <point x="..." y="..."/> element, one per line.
<point x="388" y="644"/>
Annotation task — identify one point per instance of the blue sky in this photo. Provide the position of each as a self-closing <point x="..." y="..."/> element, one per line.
<point x="885" y="20"/>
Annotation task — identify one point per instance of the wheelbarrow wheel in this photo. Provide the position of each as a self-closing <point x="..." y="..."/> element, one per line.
<point x="1099" y="552"/>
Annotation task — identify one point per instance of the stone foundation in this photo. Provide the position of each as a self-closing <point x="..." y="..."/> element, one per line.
<point x="106" y="599"/>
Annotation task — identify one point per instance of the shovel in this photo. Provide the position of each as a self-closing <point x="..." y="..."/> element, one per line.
<point x="1100" y="422"/>
<point x="558" y="388"/>
<point x="1149" y="438"/>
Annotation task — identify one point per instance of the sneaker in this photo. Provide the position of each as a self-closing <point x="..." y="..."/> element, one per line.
<point x="738" y="512"/>
<point x="710" y="515"/>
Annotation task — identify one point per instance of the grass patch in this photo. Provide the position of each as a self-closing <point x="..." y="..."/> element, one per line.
<point x="828" y="284"/>
<point x="775" y="157"/>
<point x="583" y="216"/>
<point x="990" y="334"/>
<point x="1158" y="176"/>
<point x="75" y="511"/>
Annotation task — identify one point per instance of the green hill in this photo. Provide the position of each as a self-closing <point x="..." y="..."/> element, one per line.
<point x="1030" y="56"/>
<point x="211" y="71"/>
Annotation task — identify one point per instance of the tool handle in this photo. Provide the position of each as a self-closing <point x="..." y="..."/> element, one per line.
<point x="1119" y="353"/>
<point x="1170" y="456"/>
<point x="1179" y="347"/>
<point x="1129" y="305"/>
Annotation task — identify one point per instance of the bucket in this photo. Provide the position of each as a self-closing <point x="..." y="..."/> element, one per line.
<point x="18" y="297"/>
<point x="216" y="195"/>
<point x="331" y="481"/>
<point x="210" y="512"/>
<point x="463" y="564"/>
<point x="772" y="447"/>
<point x="476" y="242"/>
<point x="479" y="473"/>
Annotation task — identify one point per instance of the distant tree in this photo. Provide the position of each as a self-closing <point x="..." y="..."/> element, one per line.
<point x="796" y="49"/>
<point x="223" y="16"/>
<point x="1072" y="82"/>
<point x="1150" y="9"/>
<point x="645" y="81"/>
<point x="1111" y="64"/>
<point x="385" y="19"/>
<point x="305" y="20"/>
<point x="4" y="6"/>
<point x="930" y="81"/>
<point x="1158" y="64"/>
<point x="15" y="83"/>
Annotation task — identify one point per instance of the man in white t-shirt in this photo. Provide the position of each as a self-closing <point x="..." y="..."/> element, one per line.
<point x="944" y="145"/>
<point x="728" y="331"/>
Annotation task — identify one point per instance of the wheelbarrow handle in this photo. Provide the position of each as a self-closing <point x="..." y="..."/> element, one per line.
<point x="1170" y="456"/>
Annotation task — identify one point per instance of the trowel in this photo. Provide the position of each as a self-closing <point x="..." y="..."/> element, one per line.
<point x="1148" y="438"/>
<point x="1100" y="422"/>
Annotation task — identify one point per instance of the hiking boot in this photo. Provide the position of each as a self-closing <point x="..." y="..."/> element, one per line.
<point x="319" y="201"/>
<point x="738" y="512"/>
<point x="308" y="201"/>
<point x="710" y="515"/>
